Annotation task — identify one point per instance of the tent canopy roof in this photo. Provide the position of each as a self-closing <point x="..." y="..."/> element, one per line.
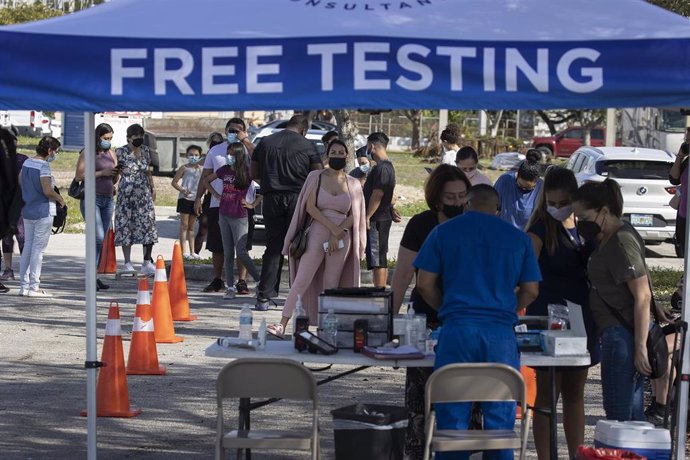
<point x="466" y="20"/>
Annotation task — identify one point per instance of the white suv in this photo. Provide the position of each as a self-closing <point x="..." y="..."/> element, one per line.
<point x="643" y="176"/>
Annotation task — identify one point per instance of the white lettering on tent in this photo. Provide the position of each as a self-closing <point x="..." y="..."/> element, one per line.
<point x="118" y="71"/>
<point x="489" y="69"/>
<point x="178" y="76"/>
<point x="255" y="70"/>
<point x="456" y="55"/>
<point x="539" y="77"/>
<point x="362" y="65"/>
<point x="426" y="76"/>
<point x="327" y="51"/>
<point x="210" y="70"/>
<point x="595" y="74"/>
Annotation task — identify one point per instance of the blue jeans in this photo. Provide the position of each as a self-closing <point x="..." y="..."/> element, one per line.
<point x="620" y="382"/>
<point x="476" y="344"/>
<point x="104" y="214"/>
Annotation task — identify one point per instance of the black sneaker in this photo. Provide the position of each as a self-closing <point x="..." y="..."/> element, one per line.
<point x="4" y="289"/>
<point x="241" y="287"/>
<point x="101" y="286"/>
<point x="216" y="285"/>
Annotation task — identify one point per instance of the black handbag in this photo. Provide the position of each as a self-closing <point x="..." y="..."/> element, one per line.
<point x="657" y="348"/>
<point x="298" y="245"/>
<point x="76" y="189"/>
<point x="60" y="218"/>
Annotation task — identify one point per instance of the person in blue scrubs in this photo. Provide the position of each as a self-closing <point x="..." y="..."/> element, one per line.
<point x="481" y="260"/>
<point x="518" y="191"/>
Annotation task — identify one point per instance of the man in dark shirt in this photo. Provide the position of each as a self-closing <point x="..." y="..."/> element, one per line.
<point x="378" y="194"/>
<point x="281" y="163"/>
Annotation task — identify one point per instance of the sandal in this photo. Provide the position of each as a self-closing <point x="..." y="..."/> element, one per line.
<point x="276" y="330"/>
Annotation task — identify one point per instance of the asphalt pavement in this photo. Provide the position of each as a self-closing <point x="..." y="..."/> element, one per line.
<point x="43" y="383"/>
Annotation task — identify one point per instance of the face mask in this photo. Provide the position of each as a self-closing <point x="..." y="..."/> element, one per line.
<point x="451" y="211"/>
<point x="230" y="160"/>
<point x="522" y="190"/>
<point x="105" y="145"/>
<point x="232" y="137"/>
<point x="364" y="168"/>
<point x="192" y="160"/>
<point x="50" y="158"/>
<point x="337" y="163"/>
<point x="470" y="174"/>
<point x="588" y="228"/>
<point x="560" y="214"/>
<point x="369" y="155"/>
<point x="138" y="142"/>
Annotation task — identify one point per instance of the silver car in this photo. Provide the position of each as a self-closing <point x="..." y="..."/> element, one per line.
<point x="643" y="176"/>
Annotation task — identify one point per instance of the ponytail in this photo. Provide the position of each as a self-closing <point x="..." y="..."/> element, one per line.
<point x="595" y="195"/>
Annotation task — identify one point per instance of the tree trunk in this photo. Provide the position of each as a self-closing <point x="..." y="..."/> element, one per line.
<point x="496" y="123"/>
<point x="415" y="116"/>
<point x="347" y="130"/>
<point x="549" y="122"/>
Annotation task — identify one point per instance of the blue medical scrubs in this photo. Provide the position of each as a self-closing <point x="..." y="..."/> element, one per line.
<point x="481" y="259"/>
<point x="516" y="205"/>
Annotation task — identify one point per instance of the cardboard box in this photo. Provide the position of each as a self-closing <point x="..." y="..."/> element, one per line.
<point x="571" y="342"/>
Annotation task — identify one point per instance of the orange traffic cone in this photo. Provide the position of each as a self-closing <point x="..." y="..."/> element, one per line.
<point x="529" y="375"/>
<point x="143" y="356"/>
<point x="108" y="264"/>
<point x="112" y="398"/>
<point x="162" y="316"/>
<point x="179" y="302"/>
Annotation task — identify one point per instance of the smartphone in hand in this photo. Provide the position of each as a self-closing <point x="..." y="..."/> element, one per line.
<point x="341" y="245"/>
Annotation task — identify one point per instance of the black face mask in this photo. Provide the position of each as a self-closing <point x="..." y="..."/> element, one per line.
<point x="138" y="142"/>
<point x="451" y="211"/>
<point x="337" y="163"/>
<point x="588" y="228"/>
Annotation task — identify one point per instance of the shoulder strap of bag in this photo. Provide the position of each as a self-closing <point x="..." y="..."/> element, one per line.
<point x="308" y="218"/>
<point x="620" y="318"/>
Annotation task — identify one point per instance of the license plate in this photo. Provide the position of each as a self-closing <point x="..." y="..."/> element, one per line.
<point x="642" y="220"/>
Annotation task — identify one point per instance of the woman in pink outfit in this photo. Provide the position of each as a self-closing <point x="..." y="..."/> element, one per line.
<point x="336" y="239"/>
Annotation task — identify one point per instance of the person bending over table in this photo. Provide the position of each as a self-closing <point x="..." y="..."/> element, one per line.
<point x="445" y="193"/>
<point x="562" y="254"/>
<point x="477" y="302"/>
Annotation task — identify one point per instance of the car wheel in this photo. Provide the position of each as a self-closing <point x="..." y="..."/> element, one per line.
<point x="546" y="153"/>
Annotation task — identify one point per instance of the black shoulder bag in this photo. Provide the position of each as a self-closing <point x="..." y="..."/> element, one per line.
<point x="299" y="242"/>
<point x="657" y="348"/>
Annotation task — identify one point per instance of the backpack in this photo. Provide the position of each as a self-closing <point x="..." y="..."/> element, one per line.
<point x="60" y="218"/>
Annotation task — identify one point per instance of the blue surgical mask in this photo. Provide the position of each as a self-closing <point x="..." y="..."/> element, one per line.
<point x="105" y="145"/>
<point x="369" y="155"/>
<point x="232" y="137"/>
<point x="230" y="160"/>
<point x="192" y="160"/>
<point x="365" y="168"/>
<point x="50" y="158"/>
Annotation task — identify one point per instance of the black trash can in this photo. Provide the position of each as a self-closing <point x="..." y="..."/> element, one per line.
<point x="369" y="432"/>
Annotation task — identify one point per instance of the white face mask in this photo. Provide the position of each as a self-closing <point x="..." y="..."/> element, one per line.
<point x="560" y="214"/>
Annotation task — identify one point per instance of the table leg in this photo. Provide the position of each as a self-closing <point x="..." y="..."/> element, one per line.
<point x="553" y="416"/>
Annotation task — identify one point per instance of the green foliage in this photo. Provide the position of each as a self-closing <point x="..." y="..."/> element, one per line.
<point x="681" y="7"/>
<point x="410" y="209"/>
<point x="26" y="13"/>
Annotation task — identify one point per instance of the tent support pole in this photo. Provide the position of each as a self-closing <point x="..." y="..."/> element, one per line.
<point x="90" y="279"/>
<point x="682" y="392"/>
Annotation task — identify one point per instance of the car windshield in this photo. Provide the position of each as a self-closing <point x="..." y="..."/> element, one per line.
<point x="633" y="169"/>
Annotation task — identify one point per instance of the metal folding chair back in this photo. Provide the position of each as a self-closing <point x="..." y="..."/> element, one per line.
<point x="266" y="378"/>
<point x="474" y="382"/>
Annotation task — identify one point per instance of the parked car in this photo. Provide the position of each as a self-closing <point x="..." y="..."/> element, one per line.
<point x="643" y="176"/>
<point x="274" y="125"/>
<point x="314" y="135"/>
<point x="563" y="144"/>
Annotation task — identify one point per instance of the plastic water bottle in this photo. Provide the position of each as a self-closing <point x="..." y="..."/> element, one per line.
<point x="246" y="323"/>
<point x="410" y="327"/>
<point x="330" y="328"/>
<point x="262" y="334"/>
<point x="300" y="323"/>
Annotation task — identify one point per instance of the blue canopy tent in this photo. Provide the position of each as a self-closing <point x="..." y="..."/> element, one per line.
<point x="176" y="55"/>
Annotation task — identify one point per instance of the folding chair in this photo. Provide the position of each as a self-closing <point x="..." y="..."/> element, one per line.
<point x="474" y="382"/>
<point x="266" y="378"/>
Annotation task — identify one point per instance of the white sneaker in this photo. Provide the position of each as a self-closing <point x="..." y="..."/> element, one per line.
<point x="195" y="256"/>
<point x="127" y="267"/>
<point x="148" y="269"/>
<point x="186" y="256"/>
<point x="230" y="293"/>
<point x="39" y="293"/>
